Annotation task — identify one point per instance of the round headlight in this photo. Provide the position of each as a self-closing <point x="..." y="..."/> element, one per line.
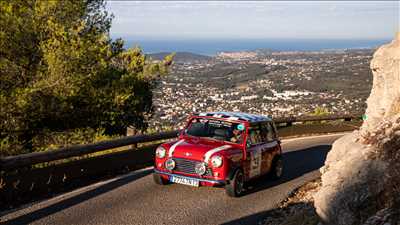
<point x="170" y="164"/>
<point x="160" y="152"/>
<point x="216" y="161"/>
<point x="200" y="168"/>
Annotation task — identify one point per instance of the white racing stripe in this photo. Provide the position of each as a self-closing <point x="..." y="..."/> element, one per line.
<point x="214" y="150"/>
<point x="172" y="149"/>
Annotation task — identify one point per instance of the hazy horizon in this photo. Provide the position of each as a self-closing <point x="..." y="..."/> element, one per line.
<point x="254" y="20"/>
<point x="212" y="47"/>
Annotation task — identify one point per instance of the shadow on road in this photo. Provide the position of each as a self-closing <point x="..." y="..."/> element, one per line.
<point x="69" y="202"/>
<point x="297" y="163"/>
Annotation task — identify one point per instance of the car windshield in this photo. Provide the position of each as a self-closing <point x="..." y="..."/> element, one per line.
<point x="216" y="129"/>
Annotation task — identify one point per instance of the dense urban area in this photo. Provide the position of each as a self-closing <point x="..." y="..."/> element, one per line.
<point x="273" y="83"/>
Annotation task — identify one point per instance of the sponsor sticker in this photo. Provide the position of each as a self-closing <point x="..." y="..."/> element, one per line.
<point x="240" y="126"/>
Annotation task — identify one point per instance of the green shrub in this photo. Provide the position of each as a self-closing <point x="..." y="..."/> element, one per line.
<point x="63" y="80"/>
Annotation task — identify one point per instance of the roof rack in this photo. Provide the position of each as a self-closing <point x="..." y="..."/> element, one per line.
<point x="236" y="116"/>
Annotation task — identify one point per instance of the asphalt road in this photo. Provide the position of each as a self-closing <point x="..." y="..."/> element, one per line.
<point x="135" y="199"/>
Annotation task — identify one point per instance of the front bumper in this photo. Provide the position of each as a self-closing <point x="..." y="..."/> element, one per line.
<point x="201" y="180"/>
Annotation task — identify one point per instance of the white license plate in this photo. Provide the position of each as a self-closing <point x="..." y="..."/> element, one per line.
<point x="184" y="180"/>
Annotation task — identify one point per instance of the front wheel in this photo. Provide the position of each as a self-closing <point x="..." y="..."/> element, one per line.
<point x="277" y="168"/>
<point x="159" y="180"/>
<point x="235" y="187"/>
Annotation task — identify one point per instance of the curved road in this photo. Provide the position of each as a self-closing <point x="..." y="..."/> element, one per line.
<point x="134" y="198"/>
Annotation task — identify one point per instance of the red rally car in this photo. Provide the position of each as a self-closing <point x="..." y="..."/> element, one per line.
<point x="220" y="149"/>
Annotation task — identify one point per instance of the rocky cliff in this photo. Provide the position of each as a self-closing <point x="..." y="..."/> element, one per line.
<point x="361" y="176"/>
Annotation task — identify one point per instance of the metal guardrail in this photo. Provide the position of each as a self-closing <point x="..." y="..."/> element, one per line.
<point x="316" y="118"/>
<point x="24" y="160"/>
<point x="18" y="161"/>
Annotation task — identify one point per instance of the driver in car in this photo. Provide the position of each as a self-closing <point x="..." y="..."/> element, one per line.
<point x="237" y="135"/>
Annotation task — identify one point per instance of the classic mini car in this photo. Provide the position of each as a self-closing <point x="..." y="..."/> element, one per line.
<point x="220" y="149"/>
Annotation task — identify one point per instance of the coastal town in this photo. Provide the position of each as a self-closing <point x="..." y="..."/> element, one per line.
<point x="266" y="82"/>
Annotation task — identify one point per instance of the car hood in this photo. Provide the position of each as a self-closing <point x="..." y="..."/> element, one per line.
<point x="196" y="148"/>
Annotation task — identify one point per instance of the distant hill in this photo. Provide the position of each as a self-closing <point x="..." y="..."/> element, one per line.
<point x="181" y="56"/>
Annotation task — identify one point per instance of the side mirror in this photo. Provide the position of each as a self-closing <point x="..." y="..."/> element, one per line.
<point x="181" y="132"/>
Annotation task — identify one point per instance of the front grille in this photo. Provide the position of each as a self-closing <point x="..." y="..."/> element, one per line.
<point x="187" y="166"/>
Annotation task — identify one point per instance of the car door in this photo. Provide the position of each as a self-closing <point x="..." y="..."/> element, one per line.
<point x="254" y="152"/>
<point x="270" y="146"/>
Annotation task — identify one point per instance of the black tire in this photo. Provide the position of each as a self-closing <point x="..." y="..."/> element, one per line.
<point x="277" y="168"/>
<point x="159" y="180"/>
<point x="235" y="187"/>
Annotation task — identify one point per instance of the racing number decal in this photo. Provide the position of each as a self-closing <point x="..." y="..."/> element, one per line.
<point x="255" y="162"/>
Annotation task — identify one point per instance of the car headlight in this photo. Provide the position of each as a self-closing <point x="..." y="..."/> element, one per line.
<point x="200" y="168"/>
<point x="160" y="152"/>
<point x="170" y="164"/>
<point x="216" y="161"/>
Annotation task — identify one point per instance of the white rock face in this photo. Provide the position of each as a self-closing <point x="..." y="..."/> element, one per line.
<point x="363" y="168"/>
<point x="384" y="101"/>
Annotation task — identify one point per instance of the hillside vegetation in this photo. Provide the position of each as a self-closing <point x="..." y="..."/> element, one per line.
<point x="63" y="80"/>
<point x="181" y="57"/>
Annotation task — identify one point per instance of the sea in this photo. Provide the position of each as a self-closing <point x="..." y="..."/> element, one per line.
<point x="213" y="47"/>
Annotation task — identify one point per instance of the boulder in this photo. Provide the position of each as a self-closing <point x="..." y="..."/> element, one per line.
<point x="384" y="100"/>
<point x="361" y="175"/>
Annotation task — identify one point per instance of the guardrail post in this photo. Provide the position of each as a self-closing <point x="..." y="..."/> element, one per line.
<point x="131" y="131"/>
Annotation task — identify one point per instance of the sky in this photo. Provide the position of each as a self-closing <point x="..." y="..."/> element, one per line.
<point x="185" y="20"/>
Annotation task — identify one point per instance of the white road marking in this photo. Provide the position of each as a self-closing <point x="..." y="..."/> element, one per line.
<point x="285" y="141"/>
<point x="270" y="144"/>
<point x="60" y="197"/>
